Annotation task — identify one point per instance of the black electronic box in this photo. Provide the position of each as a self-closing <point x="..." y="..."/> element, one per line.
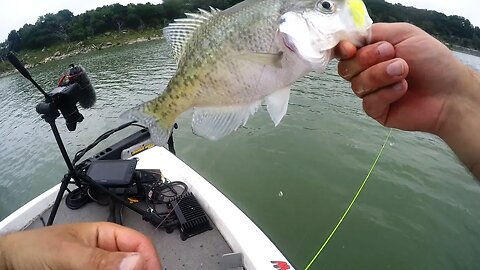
<point x="113" y="173"/>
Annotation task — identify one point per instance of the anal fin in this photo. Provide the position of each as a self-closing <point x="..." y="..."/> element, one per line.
<point x="215" y="123"/>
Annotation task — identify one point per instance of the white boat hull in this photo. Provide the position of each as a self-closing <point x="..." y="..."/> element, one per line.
<point x="241" y="233"/>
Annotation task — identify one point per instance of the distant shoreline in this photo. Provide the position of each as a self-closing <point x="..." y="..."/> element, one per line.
<point x="28" y="56"/>
<point x="34" y="58"/>
<point x="461" y="49"/>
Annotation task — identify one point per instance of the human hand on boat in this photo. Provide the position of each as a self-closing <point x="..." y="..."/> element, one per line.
<point x="78" y="246"/>
<point x="411" y="81"/>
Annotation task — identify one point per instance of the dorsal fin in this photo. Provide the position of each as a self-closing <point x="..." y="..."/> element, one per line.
<point x="179" y="32"/>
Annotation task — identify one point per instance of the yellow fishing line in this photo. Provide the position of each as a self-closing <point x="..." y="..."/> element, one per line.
<point x="352" y="203"/>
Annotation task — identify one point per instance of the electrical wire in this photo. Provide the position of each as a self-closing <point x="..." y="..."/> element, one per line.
<point x="101" y="138"/>
<point x="162" y="193"/>
<point x="89" y="193"/>
<point x="161" y="190"/>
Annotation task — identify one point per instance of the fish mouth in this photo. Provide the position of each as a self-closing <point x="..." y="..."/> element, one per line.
<point x="287" y="41"/>
<point x="306" y="51"/>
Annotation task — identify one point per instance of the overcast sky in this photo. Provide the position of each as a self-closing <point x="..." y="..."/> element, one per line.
<point x="15" y="13"/>
<point x="467" y="8"/>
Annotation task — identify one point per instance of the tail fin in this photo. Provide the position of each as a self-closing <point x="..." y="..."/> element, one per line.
<point x="154" y="124"/>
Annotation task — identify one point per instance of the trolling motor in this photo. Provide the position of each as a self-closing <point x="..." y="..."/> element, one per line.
<point x="74" y="87"/>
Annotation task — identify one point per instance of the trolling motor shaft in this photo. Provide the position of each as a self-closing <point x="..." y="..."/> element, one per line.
<point x="62" y="100"/>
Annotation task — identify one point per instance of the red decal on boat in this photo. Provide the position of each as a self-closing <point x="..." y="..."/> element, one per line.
<point x="280" y="265"/>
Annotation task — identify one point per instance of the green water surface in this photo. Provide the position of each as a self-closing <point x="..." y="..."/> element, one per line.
<point x="420" y="210"/>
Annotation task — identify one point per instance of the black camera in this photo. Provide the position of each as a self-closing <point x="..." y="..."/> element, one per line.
<point x="73" y="87"/>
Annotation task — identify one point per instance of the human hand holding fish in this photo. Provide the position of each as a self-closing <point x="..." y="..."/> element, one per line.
<point x="411" y="81"/>
<point x="78" y="246"/>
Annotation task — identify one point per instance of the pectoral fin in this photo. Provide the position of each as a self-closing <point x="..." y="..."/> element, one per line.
<point x="263" y="58"/>
<point x="215" y="123"/>
<point x="277" y="104"/>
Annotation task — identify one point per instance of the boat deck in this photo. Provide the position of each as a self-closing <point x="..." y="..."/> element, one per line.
<point x="235" y="242"/>
<point x="203" y="251"/>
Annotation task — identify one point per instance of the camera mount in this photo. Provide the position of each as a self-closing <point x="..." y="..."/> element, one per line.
<point x="61" y="101"/>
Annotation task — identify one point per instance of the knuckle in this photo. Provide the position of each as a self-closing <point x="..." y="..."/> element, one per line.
<point x="105" y="224"/>
<point x="371" y="109"/>
<point x="364" y="83"/>
<point x="367" y="107"/>
<point x="410" y="26"/>
<point x="377" y="77"/>
<point x="372" y="77"/>
<point x="343" y="70"/>
<point x="367" y="56"/>
<point x="339" y="50"/>
<point x="357" y="87"/>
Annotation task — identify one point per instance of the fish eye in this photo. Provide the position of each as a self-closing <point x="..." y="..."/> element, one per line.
<point x="326" y="6"/>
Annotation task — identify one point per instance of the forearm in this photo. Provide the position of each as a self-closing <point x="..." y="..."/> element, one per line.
<point x="3" y="255"/>
<point x="460" y="125"/>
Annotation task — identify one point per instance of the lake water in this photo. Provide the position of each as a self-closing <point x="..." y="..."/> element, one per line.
<point x="420" y="209"/>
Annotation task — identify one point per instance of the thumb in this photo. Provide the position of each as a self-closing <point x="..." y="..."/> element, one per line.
<point x="104" y="260"/>
<point x="394" y="33"/>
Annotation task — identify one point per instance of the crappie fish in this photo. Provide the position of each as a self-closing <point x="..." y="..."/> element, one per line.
<point x="231" y="61"/>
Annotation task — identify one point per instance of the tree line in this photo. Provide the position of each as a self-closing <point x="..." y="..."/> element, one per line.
<point x="63" y="26"/>
<point x="452" y="29"/>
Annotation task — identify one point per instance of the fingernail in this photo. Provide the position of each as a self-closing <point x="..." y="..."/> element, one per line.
<point x="129" y="262"/>
<point x="398" y="87"/>
<point x="384" y="49"/>
<point x="395" y="69"/>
